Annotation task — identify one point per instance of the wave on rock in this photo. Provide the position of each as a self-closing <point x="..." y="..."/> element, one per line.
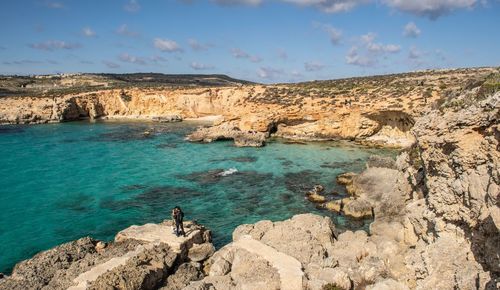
<point x="228" y="172"/>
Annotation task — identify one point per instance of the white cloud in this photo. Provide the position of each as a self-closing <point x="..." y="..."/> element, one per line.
<point x="353" y="57"/>
<point x="392" y="48"/>
<point x="88" y="32"/>
<point x="125" y="30"/>
<point x="313" y="66"/>
<point x="414" y="53"/>
<point x="330" y="6"/>
<point x="427" y="8"/>
<point x="368" y="53"/>
<point x="54" y="4"/>
<point x="334" y="33"/>
<point x="372" y="46"/>
<point x="239" y="53"/>
<point x="239" y="2"/>
<point x="430" y="8"/>
<point x="51" y="45"/>
<point x="411" y="30"/>
<point x="22" y="62"/>
<point x="255" y="58"/>
<point x="269" y="73"/>
<point x="200" y="66"/>
<point x="167" y="45"/>
<point x="110" y="64"/>
<point x="416" y="57"/>
<point x="125" y="57"/>
<point x="158" y="59"/>
<point x="132" y="6"/>
<point x="296" y="74"/>
<point x="197" y="46"/>
<point x="282" y="54"/>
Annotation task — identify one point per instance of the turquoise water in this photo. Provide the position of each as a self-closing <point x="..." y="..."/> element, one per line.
<point x="59" y="182"/>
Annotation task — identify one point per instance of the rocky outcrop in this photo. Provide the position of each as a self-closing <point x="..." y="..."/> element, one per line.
<point x="435" y="208"/>
<point x="228" y="131"/>
<point x="270" y="255"/>
<point x="141" y="257"/>
<point x="457" y="218"/>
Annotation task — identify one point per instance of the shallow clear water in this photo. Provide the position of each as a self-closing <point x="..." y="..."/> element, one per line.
<point x="59" y="182"/>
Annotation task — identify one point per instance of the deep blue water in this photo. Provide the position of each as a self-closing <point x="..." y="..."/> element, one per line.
<point x="59" y="182"/>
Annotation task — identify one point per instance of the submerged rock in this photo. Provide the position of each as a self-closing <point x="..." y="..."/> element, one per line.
<point x="167" y="118"/>
<point x="345" y="178"/>
<point x="315" y="194"/>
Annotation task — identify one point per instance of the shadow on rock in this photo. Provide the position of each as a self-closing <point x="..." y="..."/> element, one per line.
<point x="10" y="129"/>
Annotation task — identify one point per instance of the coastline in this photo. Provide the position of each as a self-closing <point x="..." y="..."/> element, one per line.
<point x="436" y="214"/>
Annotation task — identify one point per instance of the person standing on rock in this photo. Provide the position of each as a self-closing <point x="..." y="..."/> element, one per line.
<point x="177" y="217"/>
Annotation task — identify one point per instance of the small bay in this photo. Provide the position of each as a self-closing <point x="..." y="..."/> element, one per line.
<point x="60" y="182"/>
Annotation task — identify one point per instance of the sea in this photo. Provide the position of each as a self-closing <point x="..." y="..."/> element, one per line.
<point x="60" y="182"/>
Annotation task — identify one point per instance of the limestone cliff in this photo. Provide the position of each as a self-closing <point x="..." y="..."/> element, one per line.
<point x="374" y="110"/>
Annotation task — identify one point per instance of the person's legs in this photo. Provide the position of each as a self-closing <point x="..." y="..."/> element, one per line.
<point x="177" y="229"/>
<point x="182" y="229"/>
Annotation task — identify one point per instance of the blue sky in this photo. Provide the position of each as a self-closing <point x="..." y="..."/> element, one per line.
<point x="260" y="40"/>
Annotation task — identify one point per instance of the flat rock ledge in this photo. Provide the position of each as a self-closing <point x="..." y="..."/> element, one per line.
<point x="141" y="257"/>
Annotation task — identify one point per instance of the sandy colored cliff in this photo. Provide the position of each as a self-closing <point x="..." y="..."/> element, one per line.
<point x="375" y="110"/>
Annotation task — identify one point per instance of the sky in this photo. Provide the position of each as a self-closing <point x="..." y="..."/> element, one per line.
<point x="266" y="41"/>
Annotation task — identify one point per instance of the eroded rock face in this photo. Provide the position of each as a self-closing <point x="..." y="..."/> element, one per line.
<point x="458" y="225"/>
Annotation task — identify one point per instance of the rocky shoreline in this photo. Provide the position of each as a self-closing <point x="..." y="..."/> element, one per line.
<point x="436" y="225"/>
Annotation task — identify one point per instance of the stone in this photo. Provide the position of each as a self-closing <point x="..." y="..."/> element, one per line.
<point x="200" y="252"/>
<point x="100" y="246"/>
<point x="184" y="274"/>
<point x="167" y="118"/>
<point x="380" y="162"/>
<point x="387" y="284"/>
<point x="345" y="178"/>
<point x="315" y="194"/>
<point x="334" y="205"/>
<point x="358" y="208"/>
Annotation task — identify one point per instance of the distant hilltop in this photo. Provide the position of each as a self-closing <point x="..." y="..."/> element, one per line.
<point x="82" y="82"/>
<point x="75" y="83"/>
